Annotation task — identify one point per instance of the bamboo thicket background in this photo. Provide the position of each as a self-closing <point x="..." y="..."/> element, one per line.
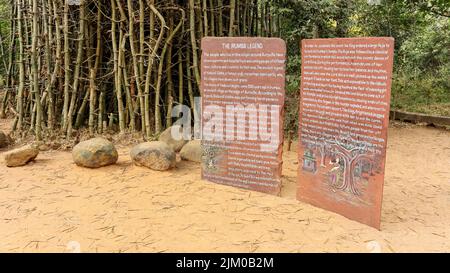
<point x="121" y="64"/>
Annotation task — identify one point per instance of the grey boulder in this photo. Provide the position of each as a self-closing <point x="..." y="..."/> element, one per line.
<point x="192" y="151"/>
<point x="167" y="137"/>
<point x="95" y="153"/>
<point x="155" y="155"/>
<point x="21" y="156"/>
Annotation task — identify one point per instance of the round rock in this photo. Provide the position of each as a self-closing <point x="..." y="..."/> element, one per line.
<point x="167" y="137"/>
<point x="155" y="155"/>
<point x="192" y="151"/>
<point x="95" y="153"/>
<point x="21" y="156"/>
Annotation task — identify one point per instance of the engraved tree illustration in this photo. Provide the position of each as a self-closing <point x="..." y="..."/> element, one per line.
<point x="351" y="155"/>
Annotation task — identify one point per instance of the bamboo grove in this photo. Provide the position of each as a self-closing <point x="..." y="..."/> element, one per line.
<point x="120" y="64"/>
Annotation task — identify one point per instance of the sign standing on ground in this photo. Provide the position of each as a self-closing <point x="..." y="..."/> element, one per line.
<point x="243" y="92"/>
<point x="344" y="117"/>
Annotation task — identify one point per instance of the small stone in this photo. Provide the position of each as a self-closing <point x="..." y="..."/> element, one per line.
<point x="95" y="153"/>
<point x="155" y="155"/>
<point x="21" y="156"/>
<point x="192" y="151"/>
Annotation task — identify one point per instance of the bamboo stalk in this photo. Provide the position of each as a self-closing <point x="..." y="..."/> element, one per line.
<point x="35" y="72"/>
<point x="76" y="80"/>
<point x="169" y="39"/>
<point x="194" y="46"/>
<point x="137" y="76"/>
<point x="67" y="72"/>
<point x="20" y="92"/>
<point x="232" y="17"/>
<point x="117" y="73"/>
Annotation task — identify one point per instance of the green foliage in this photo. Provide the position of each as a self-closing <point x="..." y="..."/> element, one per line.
<point x="422" y="81"/>
<point x="428" y="50"/>
<point x="391" y="18"/>
<point x="424" y="94"/>
<point x="422" y="37"/>
<point x="4" y="16"/>
<point x="436" y="7"/>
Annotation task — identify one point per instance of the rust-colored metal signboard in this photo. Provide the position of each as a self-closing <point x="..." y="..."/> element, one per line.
<point x="344" y="117"/>
<point x="243" y="91"/>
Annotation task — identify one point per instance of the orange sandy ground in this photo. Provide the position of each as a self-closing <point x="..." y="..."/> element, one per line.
<point x="52" y="205"/>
